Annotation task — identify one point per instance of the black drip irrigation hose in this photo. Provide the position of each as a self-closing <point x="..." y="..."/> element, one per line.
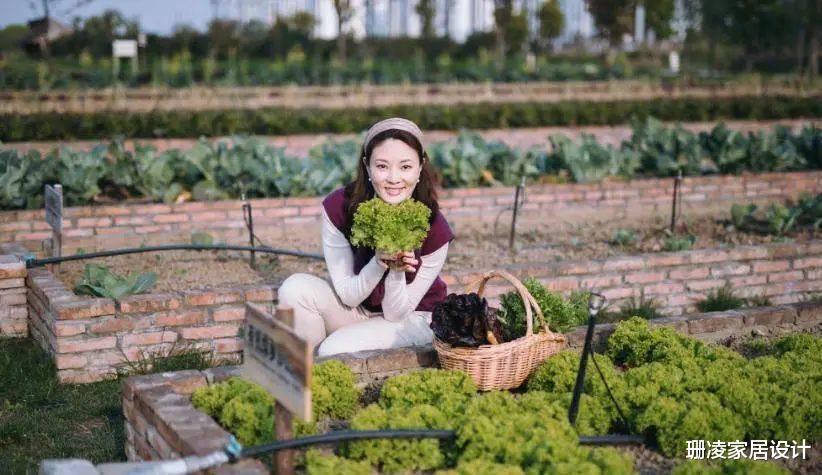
<point x="168" y="247"/>
<point x="342" y="436"/>
<point x="345" y="435"/>
<point x="612" y="439"/>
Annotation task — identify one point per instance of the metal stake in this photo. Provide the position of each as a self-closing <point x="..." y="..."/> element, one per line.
<point x="520" y="190"/>
<point x="249" y="223"/>
<point x="595" y="302"/>
<point x="676" y="197"/>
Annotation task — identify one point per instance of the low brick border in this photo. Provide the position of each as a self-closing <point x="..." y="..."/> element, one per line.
<point x="13" y="310"/>
<point x="125" y="225"/>
<point x="162" y="423"/>
<point x="676" y="280"/>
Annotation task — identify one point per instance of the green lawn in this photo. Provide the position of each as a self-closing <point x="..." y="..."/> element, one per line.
<point x="41" y="419"/>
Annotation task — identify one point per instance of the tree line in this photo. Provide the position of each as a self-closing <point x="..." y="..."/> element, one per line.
<point x="720" y="32"/>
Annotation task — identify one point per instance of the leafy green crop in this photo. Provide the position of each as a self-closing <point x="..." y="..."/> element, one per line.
<point x="250" y="166"/>
<point x="729" y="467"/>
<point x="561" y="314"/>
<point x="697" y="415"/>
<point x="334" y="392"/>
<point x="100" y="281"/>
<point x="678" y="388"/>
<point x="624" y="237"/>
<point x="390" y="228"/>
<point x="531" y="432"/>
<point x="634" y="343"/>
<point x="398" y="455"/>
<point x="779" y="219"/>
<point x="243" y="408"/>
<point x="678" y="243"/>
<point x="247" y="410"/>
<point x="317" y="463"/>
<point x="448" y="390"/>
<point x="474" y="467"/>
<point x="589" y="161"/>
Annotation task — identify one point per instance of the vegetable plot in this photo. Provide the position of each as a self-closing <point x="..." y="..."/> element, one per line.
<point x="250" y="166"/>
<point x="673" y="389"/>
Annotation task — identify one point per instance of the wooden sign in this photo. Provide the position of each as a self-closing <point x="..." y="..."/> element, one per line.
<point x="278" y="360"/>
<point x="54" y="207"/>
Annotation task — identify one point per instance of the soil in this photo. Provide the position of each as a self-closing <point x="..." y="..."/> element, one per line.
<point x="478" y="246"/>
<point x="188" y="270"/>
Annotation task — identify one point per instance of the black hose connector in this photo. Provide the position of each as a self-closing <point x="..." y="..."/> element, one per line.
<point x="32" y="262"/>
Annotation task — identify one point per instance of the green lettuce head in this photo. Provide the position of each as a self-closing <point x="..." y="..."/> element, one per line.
<point x="390" y="228"/>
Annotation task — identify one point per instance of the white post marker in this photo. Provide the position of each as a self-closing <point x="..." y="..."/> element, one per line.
<point x="54" y="218"/>
<point x="280" y="361"/>
<point x="124" y="49"/>
<point x="673" y="62"/>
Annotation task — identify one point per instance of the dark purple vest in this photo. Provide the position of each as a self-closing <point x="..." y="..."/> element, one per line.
<point x="439" y="234"/>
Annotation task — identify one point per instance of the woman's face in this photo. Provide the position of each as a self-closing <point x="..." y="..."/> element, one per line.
<point x="394" y="170"/>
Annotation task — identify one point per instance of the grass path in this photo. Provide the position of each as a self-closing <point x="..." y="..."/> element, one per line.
<point x="41" y="419"/>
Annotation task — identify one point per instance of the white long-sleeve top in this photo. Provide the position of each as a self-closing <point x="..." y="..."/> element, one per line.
<point x="400" y="299"/>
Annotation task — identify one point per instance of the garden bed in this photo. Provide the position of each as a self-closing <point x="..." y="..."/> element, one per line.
<point x="193" y="270"/>
<point x="94" y="338"/>
<point x="477" y="246"/>
<point x="161" y="421"/>
<point x="602" y="236"/>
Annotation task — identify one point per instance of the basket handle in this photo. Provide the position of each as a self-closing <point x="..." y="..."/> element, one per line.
<point x="527" y="299"/>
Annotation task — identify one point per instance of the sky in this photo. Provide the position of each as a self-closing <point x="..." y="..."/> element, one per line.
<point x="155" y="16"/>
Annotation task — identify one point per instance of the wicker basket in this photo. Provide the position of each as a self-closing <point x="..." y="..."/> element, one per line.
<point x="506" y="365"/>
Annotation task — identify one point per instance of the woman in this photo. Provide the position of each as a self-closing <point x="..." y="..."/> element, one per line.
<point x="372" y="301"/>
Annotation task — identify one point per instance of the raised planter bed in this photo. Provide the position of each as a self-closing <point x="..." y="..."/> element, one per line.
<point x="90" y="337"/>
<point x="162" y="423"/>
<point x="280" y="219"/>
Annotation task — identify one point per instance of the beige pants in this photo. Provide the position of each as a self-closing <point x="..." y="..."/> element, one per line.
<point x="322" y="319"/>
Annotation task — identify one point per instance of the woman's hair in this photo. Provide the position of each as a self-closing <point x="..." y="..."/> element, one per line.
<point x="361" y="189"/>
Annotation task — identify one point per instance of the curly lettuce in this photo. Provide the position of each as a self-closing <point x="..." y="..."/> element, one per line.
<point x="390" y="228"/>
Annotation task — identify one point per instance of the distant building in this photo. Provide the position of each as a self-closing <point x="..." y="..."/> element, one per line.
<point x="394" y="18"/>
<point x="43" y="31"/>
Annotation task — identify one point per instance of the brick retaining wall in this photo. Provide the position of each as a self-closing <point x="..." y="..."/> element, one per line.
<point x="90" y="338"/>
<point x="125" y="225"/>
<point x="13" y="310"/>
<point x="676" y="280"/>
<point x="161" y="422"/>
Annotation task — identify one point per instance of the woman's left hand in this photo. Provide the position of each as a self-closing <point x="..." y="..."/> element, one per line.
<point x="409" y="262"/>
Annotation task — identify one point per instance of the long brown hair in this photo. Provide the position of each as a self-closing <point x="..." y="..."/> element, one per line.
<point x="361" y="189"/>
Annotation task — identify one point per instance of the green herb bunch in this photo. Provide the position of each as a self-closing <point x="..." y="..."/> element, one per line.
<point x="390" y="228"/>
<point x="561" y="314"/>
